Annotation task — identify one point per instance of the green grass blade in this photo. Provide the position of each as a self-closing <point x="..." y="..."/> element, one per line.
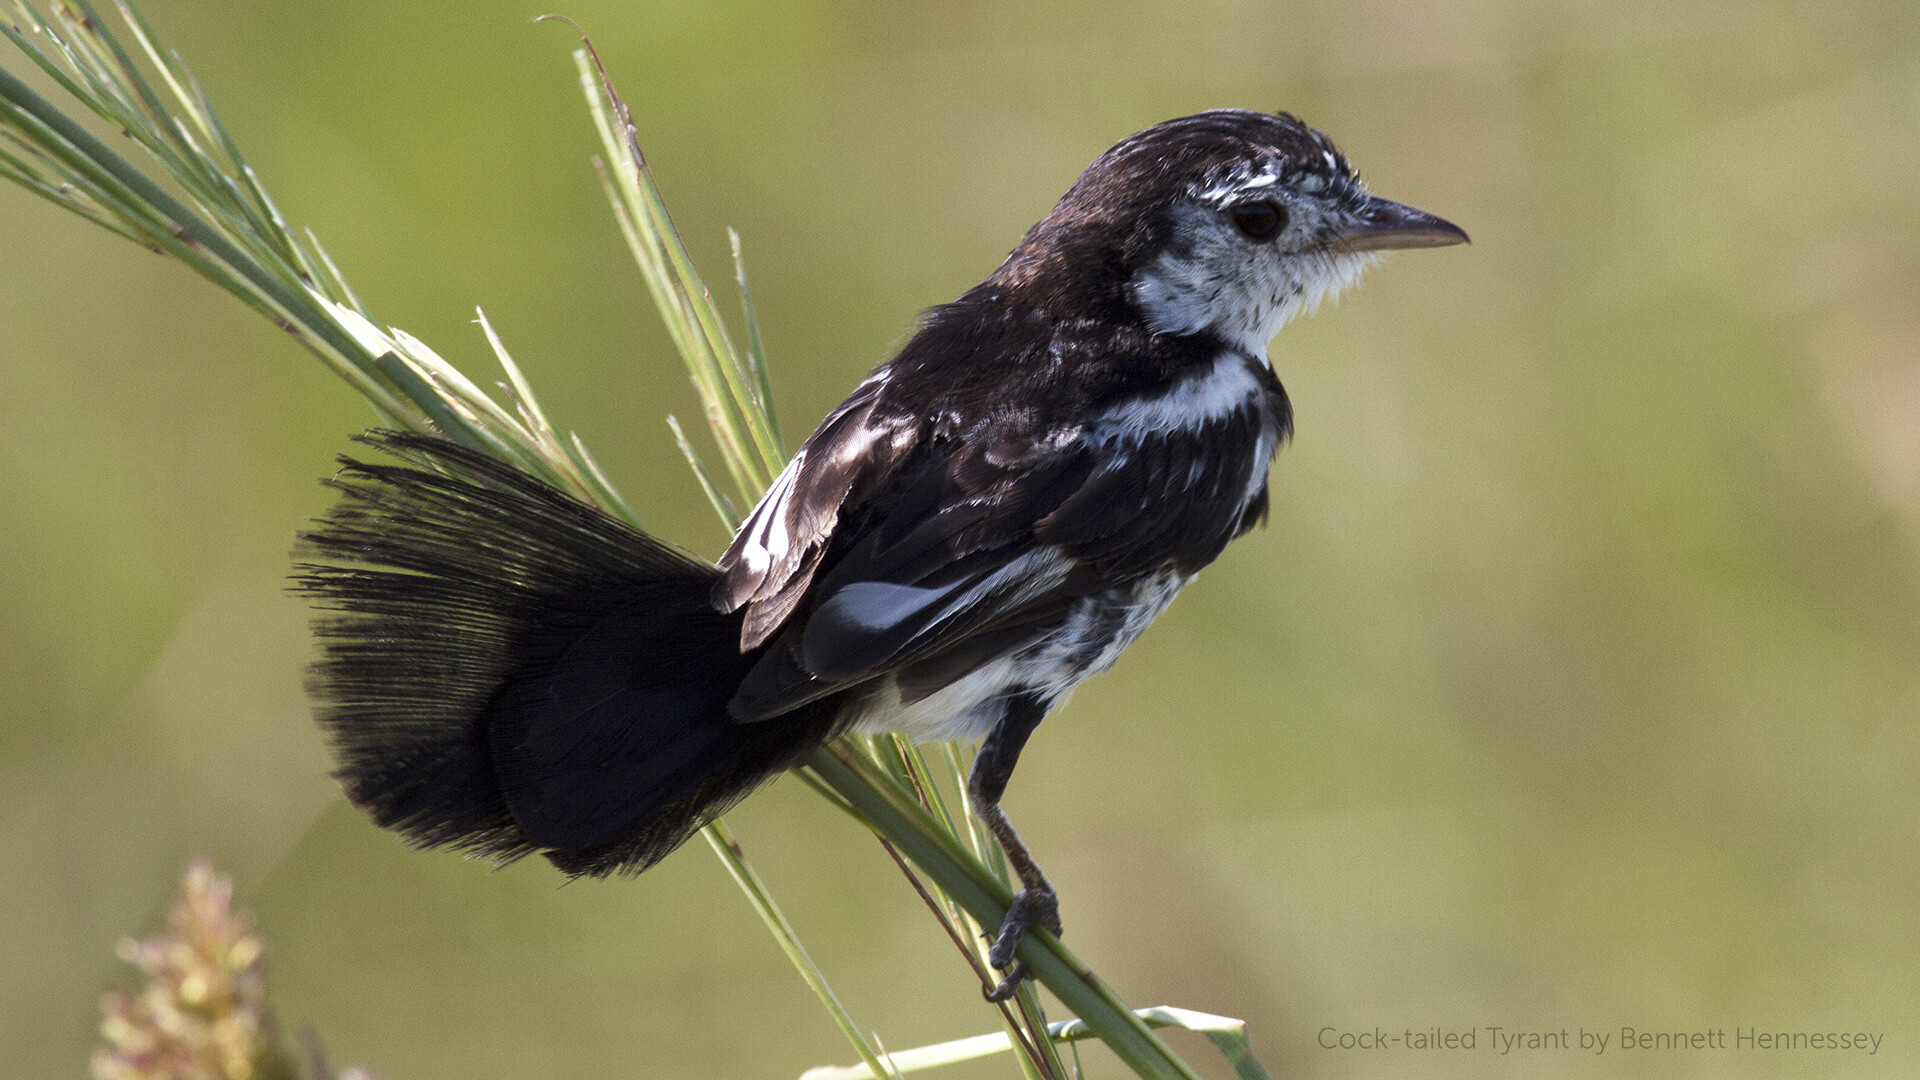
<point x="340" y="292"/>
<point x="678" y="288"/>
<point x="66" y="194"/>
<point x="723" y="506"/>
<point x="728" y="849"/>
<point x="756" y="348"/>
<point x="142" y="203"/>
<point x="1226" y="1033"/>
<point x="604" y="492"/>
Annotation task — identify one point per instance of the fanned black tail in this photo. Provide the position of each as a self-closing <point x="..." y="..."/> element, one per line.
<point x="510" y="670"/>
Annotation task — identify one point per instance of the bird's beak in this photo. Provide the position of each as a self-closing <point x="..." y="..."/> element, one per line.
<point x="1384" y="224"/>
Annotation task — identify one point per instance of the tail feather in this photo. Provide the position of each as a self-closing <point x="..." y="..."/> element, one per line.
<point x="509" y="670"/>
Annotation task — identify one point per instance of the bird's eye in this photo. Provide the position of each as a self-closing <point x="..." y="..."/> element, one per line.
<point x="1259" y="221"/>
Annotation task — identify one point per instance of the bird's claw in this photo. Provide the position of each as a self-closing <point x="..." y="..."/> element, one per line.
<point x="1005" y="987"/>
<point x="1031" y="907"/>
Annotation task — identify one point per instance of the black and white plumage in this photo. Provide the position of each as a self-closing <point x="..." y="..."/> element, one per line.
<point x="989" y="519"/>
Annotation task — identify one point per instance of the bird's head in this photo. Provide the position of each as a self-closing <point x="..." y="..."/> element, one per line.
<point x="1228" y="221"/>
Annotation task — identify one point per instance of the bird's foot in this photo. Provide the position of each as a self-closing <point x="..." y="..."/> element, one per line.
<point x="1033" y="906"/>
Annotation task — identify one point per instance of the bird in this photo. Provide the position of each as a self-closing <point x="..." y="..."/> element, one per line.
<point x="988" y="519"/>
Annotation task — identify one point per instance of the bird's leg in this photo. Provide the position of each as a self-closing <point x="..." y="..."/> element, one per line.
<point x="1036" y="902"/>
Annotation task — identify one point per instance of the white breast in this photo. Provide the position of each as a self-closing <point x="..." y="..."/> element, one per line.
<point x="1212" y="393"/>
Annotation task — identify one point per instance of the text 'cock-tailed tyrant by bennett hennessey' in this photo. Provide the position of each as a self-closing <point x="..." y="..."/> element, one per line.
<point x="988" y="519"/>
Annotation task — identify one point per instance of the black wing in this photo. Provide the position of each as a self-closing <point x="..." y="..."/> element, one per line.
<point x="961" y="539"/>
<point x="772" y="559"/>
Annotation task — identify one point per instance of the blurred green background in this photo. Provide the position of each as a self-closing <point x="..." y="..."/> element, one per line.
<point x="1575" y="682"/>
